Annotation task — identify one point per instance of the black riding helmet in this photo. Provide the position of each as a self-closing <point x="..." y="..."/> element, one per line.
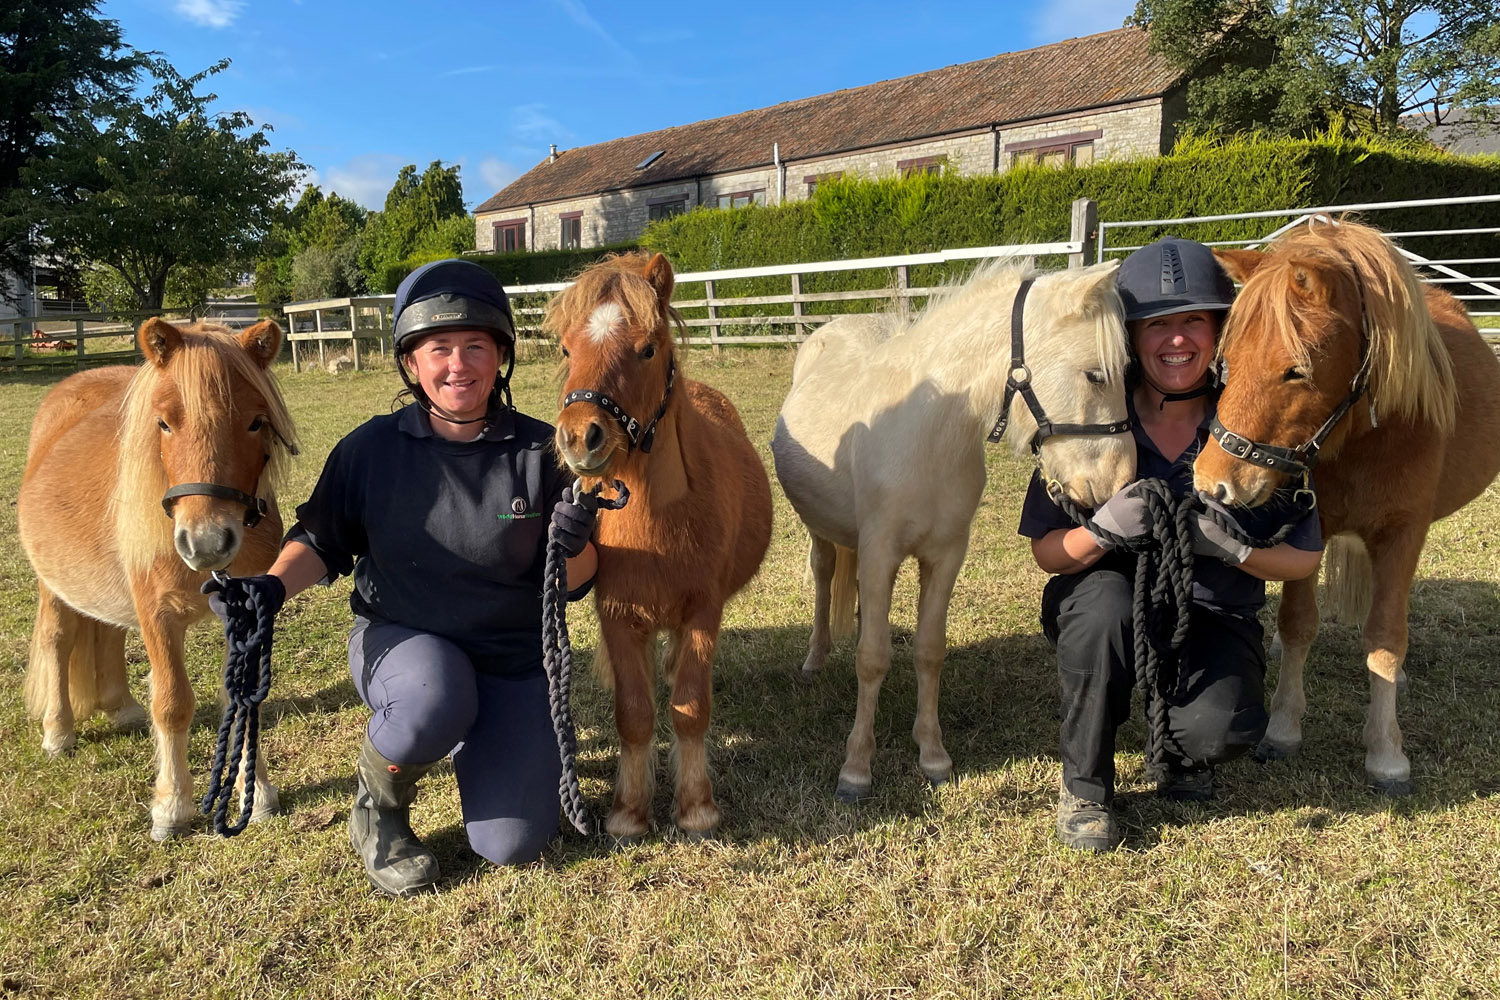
<point x="1172" y="275"/>
<point x="453" y="295"/>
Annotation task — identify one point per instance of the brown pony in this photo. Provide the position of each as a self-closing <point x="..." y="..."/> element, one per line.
<point x="1329" y="309"/>
<point x="105" y="447"/>
<point x="693" y="532"/>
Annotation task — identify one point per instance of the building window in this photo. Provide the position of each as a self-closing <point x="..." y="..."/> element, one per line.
<point x="666" y="208"/>
<point x="921" y="165"/>
<point x="813" y="180"/>
<point x="1075" y="150"/>
<point x="510" y="236"/>
<point x="570" y="230"/>
<point x="739" y="199"/>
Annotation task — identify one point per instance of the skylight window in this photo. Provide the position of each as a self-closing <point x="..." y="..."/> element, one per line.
<point x="649" y="160"/>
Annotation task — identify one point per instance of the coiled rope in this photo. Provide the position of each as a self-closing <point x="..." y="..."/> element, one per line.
<point x="247" y="681"/>
<point x="1163" y="595"/>
<point x="557" y="659"/>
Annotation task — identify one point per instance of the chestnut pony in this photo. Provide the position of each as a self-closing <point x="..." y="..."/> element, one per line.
<point x="106" y="445"/>
<point x="694" y="531"/>
<point x="1332" y="316"/>
<point x="880" y="449"/>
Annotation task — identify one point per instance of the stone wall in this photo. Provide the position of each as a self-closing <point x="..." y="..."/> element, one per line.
<point x="1131" y="131"/>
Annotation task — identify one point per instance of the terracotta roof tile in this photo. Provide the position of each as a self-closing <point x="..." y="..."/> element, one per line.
<point x="1109" y="68"/>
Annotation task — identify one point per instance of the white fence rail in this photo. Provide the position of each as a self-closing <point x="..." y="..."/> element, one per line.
<point x="1479" y="292"/>
<point x="84" y="337"/>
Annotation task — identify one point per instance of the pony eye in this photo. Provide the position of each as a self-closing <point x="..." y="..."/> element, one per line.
<point x="648" y="352"/>
<point x="1294" y="374"/>
<point x="1096" y="377"/>
<point x="163" y="425"/>
<point x="565" y="352"/>
<point x="257" y="424"/>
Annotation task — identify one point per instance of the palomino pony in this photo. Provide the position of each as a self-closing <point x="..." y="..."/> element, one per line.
<point x="1333" y="335"/>
<point x="199" y="429"/>
<point x="692" y="534"/>
<point x="880" y="449"/>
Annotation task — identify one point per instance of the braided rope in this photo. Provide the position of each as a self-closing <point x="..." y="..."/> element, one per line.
<point x="557" y="660"/>
<point x="1162" y="599"/>
<point x="247" y="681"/>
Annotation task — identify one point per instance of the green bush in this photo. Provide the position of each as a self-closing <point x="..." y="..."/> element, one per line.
<point x="851" y="217"/>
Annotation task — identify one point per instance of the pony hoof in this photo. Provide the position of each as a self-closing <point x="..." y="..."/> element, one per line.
<point x="161" y="834"/>
<point x="1396" y="788"/>
<point x="1266" y="752"/>
<point x="130" y="720"/>
<point x="849" y="793"/>
<point x="942" y="782"/>
<point x="57" y="746"/>
<point x="699" y="836"/>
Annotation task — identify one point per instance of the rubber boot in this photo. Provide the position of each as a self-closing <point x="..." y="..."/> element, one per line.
<point x="380" y="832"/>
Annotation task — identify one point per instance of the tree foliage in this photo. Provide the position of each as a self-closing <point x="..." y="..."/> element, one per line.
<point x="416" y="205"/>
<point x="55" y="55"/>
<point x="146" y="186"/>
<point x="1286" y="67"/>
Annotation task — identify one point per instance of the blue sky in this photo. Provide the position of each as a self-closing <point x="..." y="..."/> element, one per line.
<point x="359" y="89"/>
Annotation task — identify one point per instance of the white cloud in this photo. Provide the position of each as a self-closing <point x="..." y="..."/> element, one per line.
<point x="210" y="13"/>
<point x="580" y="16"/>
<point x="1059" y="19"/>
<point x="470" y="70"/>
<point x="495" y="174"/>
<point x="366" y="179"/>
<point x="529" y="121"/>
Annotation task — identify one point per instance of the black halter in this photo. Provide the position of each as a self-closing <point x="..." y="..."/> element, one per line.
<point x="1299" y="461"/>
<point x="255" y="507"/>
<point x="638" y="435"/>
<point x="1020" y="381"/>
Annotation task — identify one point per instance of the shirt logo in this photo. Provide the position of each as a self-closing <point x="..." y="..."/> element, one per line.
<point x="518" y="511"/>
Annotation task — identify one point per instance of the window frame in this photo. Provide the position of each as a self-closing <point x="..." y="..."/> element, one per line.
<point x="922" y="165"/>
<point x="675" y="205"/>
<point x="570" y="223"/>
<point x="514" y="226"/>
<point x="1034" y="150"/>
<point x="754" y="196"/>
<point x="813" y="180"/>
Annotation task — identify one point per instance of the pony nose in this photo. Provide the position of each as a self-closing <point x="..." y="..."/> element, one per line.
<point x="1221" y="492"/>
<point x="593" y="438"/>
<point x="207" y="546"/>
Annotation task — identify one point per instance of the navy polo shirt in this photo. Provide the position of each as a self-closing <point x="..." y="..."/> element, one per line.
<point x="1216" y="584"/>
<point x="442" y="536"/>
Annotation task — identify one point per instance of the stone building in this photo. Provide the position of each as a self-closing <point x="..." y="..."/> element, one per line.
<point x="1099" y="97"/>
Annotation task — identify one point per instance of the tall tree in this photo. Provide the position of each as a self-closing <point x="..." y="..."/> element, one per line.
<point x="146" y="186"/>
<point x="55" y="55"/>
<point x="415" y="205"/>
<point x="1291" y="67"/>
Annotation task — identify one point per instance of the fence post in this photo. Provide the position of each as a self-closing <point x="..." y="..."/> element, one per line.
<point x="78" y="338"/>
<point x="15" y="332"/>
<point x="801" y="328"/>
<point x="903" y="282"/>
<point x="1084" y="230"/>
<point x="713" y="313"/>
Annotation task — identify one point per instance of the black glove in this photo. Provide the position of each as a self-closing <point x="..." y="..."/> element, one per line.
<point x="573" y="521"/>
<point x="1124" y="515"/>
<point x="1211" y="540"/>
<point x="236" y="594"/>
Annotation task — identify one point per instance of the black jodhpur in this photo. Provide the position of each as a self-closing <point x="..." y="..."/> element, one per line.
<point x="1216" y="712"/>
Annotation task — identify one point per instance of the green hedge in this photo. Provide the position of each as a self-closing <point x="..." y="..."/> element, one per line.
<point x="523" y="268"/>
<point x="852" y="218"/>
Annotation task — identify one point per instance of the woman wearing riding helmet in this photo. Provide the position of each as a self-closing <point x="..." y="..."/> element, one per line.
<point x="440" y="511"/>
<point x="1175" y="296"/>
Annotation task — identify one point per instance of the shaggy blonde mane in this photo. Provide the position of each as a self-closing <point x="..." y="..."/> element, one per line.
<point x="204" y="372"/>
<point x="1411" y="373"/>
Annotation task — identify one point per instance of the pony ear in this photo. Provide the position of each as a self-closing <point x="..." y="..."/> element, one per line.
<point x="1240" y="263"/>
<point x="659" y="273"/>
<point x="262" y="341"/>
<point x="158" y="340"/>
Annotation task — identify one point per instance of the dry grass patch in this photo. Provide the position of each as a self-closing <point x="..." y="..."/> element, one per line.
<point x="1295" y="882"/>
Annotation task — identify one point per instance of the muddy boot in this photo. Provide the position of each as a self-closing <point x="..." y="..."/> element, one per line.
<point x="1085" y="825"/>
<point x="396" y="862"/>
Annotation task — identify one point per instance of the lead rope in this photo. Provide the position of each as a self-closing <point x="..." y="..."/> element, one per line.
<point x="1163" y="596"/>
<point x="557" y="659"/>
<point x="247" y="681"/>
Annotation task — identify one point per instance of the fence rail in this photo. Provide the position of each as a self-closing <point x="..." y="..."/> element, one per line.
<point x="362" y="323"/>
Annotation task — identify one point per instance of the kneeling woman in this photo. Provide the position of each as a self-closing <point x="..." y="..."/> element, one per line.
<point x="440" y="510"/>
<point x="1175" y="297"/>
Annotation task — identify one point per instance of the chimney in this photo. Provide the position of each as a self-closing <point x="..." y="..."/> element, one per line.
<point x="552" y="155"/>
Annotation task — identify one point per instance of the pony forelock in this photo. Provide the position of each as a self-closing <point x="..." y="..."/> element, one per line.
<point x="616" y="279"/>
<point x="203" y="371"/>
<point x="1411" y="372"/>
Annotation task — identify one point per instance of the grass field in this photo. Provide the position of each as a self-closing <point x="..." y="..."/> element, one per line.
<point x="1295" y="882"/>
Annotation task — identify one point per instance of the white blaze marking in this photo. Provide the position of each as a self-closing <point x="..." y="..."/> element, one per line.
<point x="605" y="320"/>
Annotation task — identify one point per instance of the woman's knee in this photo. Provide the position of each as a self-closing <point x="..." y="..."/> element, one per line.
<point x="1213" y="735"/>
<point x="509" y="842"/>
